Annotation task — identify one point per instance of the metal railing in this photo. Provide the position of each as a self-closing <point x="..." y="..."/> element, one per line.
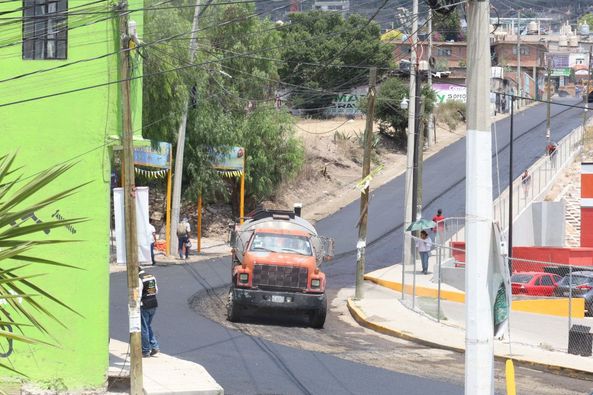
<point x="540" y="178"/>
<point x="551" y="301"/>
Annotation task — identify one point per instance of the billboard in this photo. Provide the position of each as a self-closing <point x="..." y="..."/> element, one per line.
<point x="449" y="92"/>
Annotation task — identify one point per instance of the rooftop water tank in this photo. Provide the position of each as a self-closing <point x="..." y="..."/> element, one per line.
<point x="532" y="27"/>
<point x="585" y="29"/>
<point x="563" y="42"/>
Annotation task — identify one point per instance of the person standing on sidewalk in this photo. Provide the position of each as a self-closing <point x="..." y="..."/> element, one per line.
<point x="424" y="245"/>
<point x="148" y="305"/>
<point x="152" y="232"/>
<point x="183" y="230"/>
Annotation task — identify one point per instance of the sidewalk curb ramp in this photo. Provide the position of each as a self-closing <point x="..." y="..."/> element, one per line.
<point x="360" y="317"/>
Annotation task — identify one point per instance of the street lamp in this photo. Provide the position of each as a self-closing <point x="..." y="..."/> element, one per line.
<point x="404" y="103"/>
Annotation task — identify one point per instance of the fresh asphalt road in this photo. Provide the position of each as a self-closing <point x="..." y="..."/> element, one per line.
<point x="245" y="364"/>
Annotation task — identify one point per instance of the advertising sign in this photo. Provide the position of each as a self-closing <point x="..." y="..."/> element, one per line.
<point x="345" y="104"/>
<point x="148" y="156"/>
<point x="449" y="92"/>
<point x="228" y="158"/>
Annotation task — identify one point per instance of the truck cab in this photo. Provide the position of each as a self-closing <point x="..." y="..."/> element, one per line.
<point x="276" y="266"/>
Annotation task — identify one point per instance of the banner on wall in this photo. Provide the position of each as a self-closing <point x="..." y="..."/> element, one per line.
<point x="142" y="220"/>
<point x="449" y="92"/>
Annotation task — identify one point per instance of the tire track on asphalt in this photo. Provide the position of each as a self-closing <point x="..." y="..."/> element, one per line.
<point x="277" y="360"/>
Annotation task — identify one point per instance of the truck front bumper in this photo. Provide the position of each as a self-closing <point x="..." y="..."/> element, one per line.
<point x="278" y="300"/>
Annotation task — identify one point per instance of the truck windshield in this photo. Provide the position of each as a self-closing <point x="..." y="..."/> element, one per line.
<point x="281" y="243"/>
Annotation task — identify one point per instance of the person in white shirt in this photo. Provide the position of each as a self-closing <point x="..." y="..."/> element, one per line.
<point x="424" y="245"/>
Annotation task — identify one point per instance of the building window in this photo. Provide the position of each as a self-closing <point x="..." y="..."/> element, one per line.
<point x="444" y="52"/>
<point x="45" y="29"/>
<point x="524" y="50"/>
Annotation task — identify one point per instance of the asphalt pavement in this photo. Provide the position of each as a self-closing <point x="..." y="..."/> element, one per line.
<point x="244" y="364"/>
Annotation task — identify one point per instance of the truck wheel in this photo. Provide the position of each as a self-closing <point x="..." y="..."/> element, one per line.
<point x="318" y="316"/>
<point x="232" y="309"/>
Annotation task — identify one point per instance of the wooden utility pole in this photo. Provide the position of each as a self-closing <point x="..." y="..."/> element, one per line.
<point x="136" y="379"/>
<point x="431" y="128"/>
<point x="364" y="194"/>
<point x="193" y="45"/>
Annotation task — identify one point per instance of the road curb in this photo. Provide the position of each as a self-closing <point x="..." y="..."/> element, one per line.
<point x="361" y="318"/>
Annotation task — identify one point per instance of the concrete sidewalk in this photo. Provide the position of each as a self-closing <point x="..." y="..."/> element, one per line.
<point x="381" y="310"/>
<point x="163" y="374"/>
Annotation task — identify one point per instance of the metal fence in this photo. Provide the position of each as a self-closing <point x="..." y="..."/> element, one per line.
<point x="552" y="302"/>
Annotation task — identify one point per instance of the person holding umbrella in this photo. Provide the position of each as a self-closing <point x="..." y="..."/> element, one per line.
<point x="424" y="245"/>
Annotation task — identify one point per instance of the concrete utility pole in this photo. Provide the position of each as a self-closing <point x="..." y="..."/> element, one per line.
<point x="364" y="195"/>
<point x="479" y="361"/>
<point x="519" y="79"/>
<point x="408" y="251"/>
<point x="136" y="379"/>
<point x="548" y="101"/>
<point x="586" y="134"/>
<point x="175" y="211"/>
<point x="417" y="170"/>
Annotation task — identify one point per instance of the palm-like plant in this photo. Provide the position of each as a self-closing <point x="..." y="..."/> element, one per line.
<point x="22" y="302"/>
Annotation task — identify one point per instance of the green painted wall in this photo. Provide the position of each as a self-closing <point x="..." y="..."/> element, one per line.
<point x="47" y="132"/>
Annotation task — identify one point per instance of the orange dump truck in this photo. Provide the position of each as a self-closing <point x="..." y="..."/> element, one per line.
<point x="276" y="266"/>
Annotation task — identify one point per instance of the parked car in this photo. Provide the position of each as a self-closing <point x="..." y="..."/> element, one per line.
<point x="534" y="283"/>
<point x="582" y="287"/>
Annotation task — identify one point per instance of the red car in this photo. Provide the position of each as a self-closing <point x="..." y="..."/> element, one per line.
<point x="534" y="283"/>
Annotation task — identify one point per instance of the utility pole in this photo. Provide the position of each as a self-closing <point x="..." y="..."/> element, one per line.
<point x="409" y="188"/>
<point x="479" y="361"/>
<point x="364" y="194"/>
<point x="431" y="134"/>
<point x="586" y="140"/>
<point x="510" y="231"/>
<point x="519" y="79"/>
<point x="136" y="378"/>
<point x="548" y="102"/>
<point x="417" y="135"/>
<point x="193" y="45"/>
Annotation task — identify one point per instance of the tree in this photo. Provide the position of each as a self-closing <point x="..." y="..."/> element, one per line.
<point x="449" y="26"/>
<point x="588" y="18"/>
<point x="341" y="46"/>
<point x="19" y="295"/>
<point x="393" y="120"/>
<point x="232" y="85"/>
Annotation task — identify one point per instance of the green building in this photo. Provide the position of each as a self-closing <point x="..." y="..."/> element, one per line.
<point x="51" y="115"/>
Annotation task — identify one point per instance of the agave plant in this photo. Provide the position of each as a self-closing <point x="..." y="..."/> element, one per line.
<point x="22" y="302"/>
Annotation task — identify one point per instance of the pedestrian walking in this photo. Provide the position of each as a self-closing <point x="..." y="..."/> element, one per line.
<point x="526" y="181"/>
<point x="439" y="220"/>
<point x="148" y="304"/>
<point x="183" y="230"/>
<point x="424" y="245"/>
<point x="152" y="235"/>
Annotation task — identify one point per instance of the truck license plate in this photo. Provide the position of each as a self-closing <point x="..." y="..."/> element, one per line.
<point x="277" y="299"/>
